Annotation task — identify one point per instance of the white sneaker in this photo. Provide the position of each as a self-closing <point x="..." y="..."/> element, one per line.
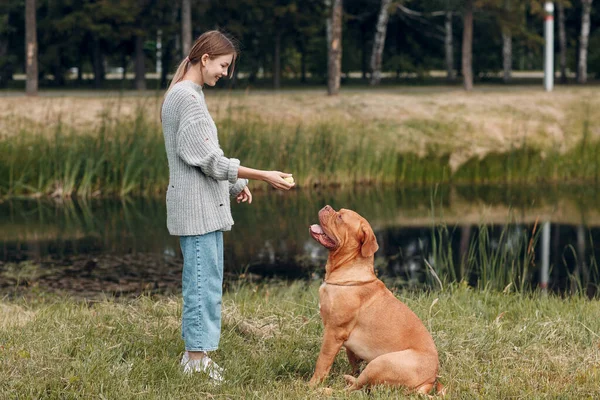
<point x="204" y="365"/>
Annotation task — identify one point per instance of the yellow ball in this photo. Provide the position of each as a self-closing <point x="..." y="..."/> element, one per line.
<point x="289" y="179"/>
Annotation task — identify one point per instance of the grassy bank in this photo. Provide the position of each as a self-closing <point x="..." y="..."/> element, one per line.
<point x="114" y="147"/>
<point x="491" y="345"/>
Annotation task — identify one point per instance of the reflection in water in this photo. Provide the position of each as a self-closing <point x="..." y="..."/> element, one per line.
<point x="463" y="232"/>
<point x="545" y="270"/>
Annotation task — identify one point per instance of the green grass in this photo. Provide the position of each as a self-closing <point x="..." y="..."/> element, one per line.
<point x="491" y="345"/>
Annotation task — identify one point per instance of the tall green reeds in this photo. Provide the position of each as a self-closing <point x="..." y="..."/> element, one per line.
<point x="482" y="260"/>
<point x="510" y="261"/>
<point x="121" y="157"/>
<point x="125" y="157"/>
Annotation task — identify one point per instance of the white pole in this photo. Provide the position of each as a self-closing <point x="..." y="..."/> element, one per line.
<point x="549" y="48"/>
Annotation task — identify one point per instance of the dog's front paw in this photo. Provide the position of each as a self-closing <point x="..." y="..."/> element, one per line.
<point x="314" y="382"/>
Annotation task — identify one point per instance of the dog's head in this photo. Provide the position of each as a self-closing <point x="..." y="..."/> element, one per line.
<point x="344" y="231"/>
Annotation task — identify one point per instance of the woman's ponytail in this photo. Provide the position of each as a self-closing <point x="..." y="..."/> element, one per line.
<point x="177" y="77"/>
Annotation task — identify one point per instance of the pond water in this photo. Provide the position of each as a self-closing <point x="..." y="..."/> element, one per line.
<point x="123" y="247"/>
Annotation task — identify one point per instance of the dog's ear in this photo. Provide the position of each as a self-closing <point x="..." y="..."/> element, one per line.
<point x="369" y="244"/>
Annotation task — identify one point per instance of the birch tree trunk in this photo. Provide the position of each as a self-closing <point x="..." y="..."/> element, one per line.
<point x="186" y="27"/>
<point x="335" y="49"/>
<point x="379" y="42"/>
<point x="562" y="38"/>
<point x="506" y="55"/>
<point x="449" y="47"/>
<point x="583" y="41"/>
<point x="467" y="46"/>
<point x="140" y="67"/>
<point x="31" y="48"/>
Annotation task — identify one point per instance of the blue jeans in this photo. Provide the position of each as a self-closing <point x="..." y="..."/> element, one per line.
<point x="202" y="287"/>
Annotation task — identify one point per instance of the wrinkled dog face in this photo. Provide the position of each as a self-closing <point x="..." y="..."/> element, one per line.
<point x="344" y="231"/>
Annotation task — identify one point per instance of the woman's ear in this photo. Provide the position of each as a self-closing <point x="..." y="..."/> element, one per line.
<point x="204" y="59"/>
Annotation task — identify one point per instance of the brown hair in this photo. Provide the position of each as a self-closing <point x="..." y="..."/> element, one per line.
<point x="213" y="43"/>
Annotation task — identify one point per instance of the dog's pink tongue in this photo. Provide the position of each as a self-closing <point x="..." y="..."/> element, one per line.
<point x="316" y="229"/>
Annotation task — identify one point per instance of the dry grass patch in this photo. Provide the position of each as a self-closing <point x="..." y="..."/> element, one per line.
<point x="14" y="316"/>
<point x="485" y="118"/>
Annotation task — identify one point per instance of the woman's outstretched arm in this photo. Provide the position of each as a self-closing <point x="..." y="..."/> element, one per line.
<point x="274" y="178"/>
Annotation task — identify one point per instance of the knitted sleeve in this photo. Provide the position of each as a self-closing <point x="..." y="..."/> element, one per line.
<point x="236" y="188"/>
<point x="198" y="146"/>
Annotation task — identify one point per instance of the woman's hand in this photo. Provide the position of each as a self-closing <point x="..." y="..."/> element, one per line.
<point x="275" y="179"/>
<point x="244" y="196"/>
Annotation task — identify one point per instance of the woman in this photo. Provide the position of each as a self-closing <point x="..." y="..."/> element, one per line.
<point x="201" y="179"/>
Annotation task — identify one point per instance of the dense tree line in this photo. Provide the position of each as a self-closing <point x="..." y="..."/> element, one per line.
<point x="317" y="41"/>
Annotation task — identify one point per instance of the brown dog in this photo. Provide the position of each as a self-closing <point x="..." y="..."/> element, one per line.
<point x="361" y="314"/>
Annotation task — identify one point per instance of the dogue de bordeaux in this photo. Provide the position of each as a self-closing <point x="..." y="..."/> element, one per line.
<point x="361" y="314"/>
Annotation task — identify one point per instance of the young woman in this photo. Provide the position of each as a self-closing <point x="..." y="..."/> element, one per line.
<point x="201" y="180"/>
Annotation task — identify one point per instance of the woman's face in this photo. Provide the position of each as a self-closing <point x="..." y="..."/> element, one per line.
<point x="215" y="68"/>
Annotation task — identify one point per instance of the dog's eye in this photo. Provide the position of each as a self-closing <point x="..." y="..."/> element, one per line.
<point x="339" y="217"/>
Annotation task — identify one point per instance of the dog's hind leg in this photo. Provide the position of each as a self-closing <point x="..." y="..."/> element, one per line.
<point x="350" y="382"/>
<point x="354" y="361"/>
<point x="406" y="368"/>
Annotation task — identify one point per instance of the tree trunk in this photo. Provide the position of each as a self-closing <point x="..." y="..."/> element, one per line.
<point x="562" y="38"/>
<point x="98" y="62"/>
<point x="186" y="27"/>
<point x="59" y="75"/>
<point x="467" y="46"/>
<point x="124" y="67"/>
<point x="379" y="42"/>
<point x="6" y="67"/>
<point x="449" y="48"/>
<point x="31" y="48"/>
<point x="140" y="60"/>
<point x="335" y="49"/>
<point x="6" y="63"/>
<point x="159" y="50"/>
<point x="80" y="68"/>
<point x="303" y="65"/>
<point x="171" y="49"/>
<point x="583" y="41"/>
<point x="506" y="55"/>
<point x="166" y="61"/>
<point x="234" y="78"/>
<point x="364" y="63"/>
<point x="277" y="60"/>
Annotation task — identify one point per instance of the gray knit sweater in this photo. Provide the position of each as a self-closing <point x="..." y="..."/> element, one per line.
<point x="201" y="178"/>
